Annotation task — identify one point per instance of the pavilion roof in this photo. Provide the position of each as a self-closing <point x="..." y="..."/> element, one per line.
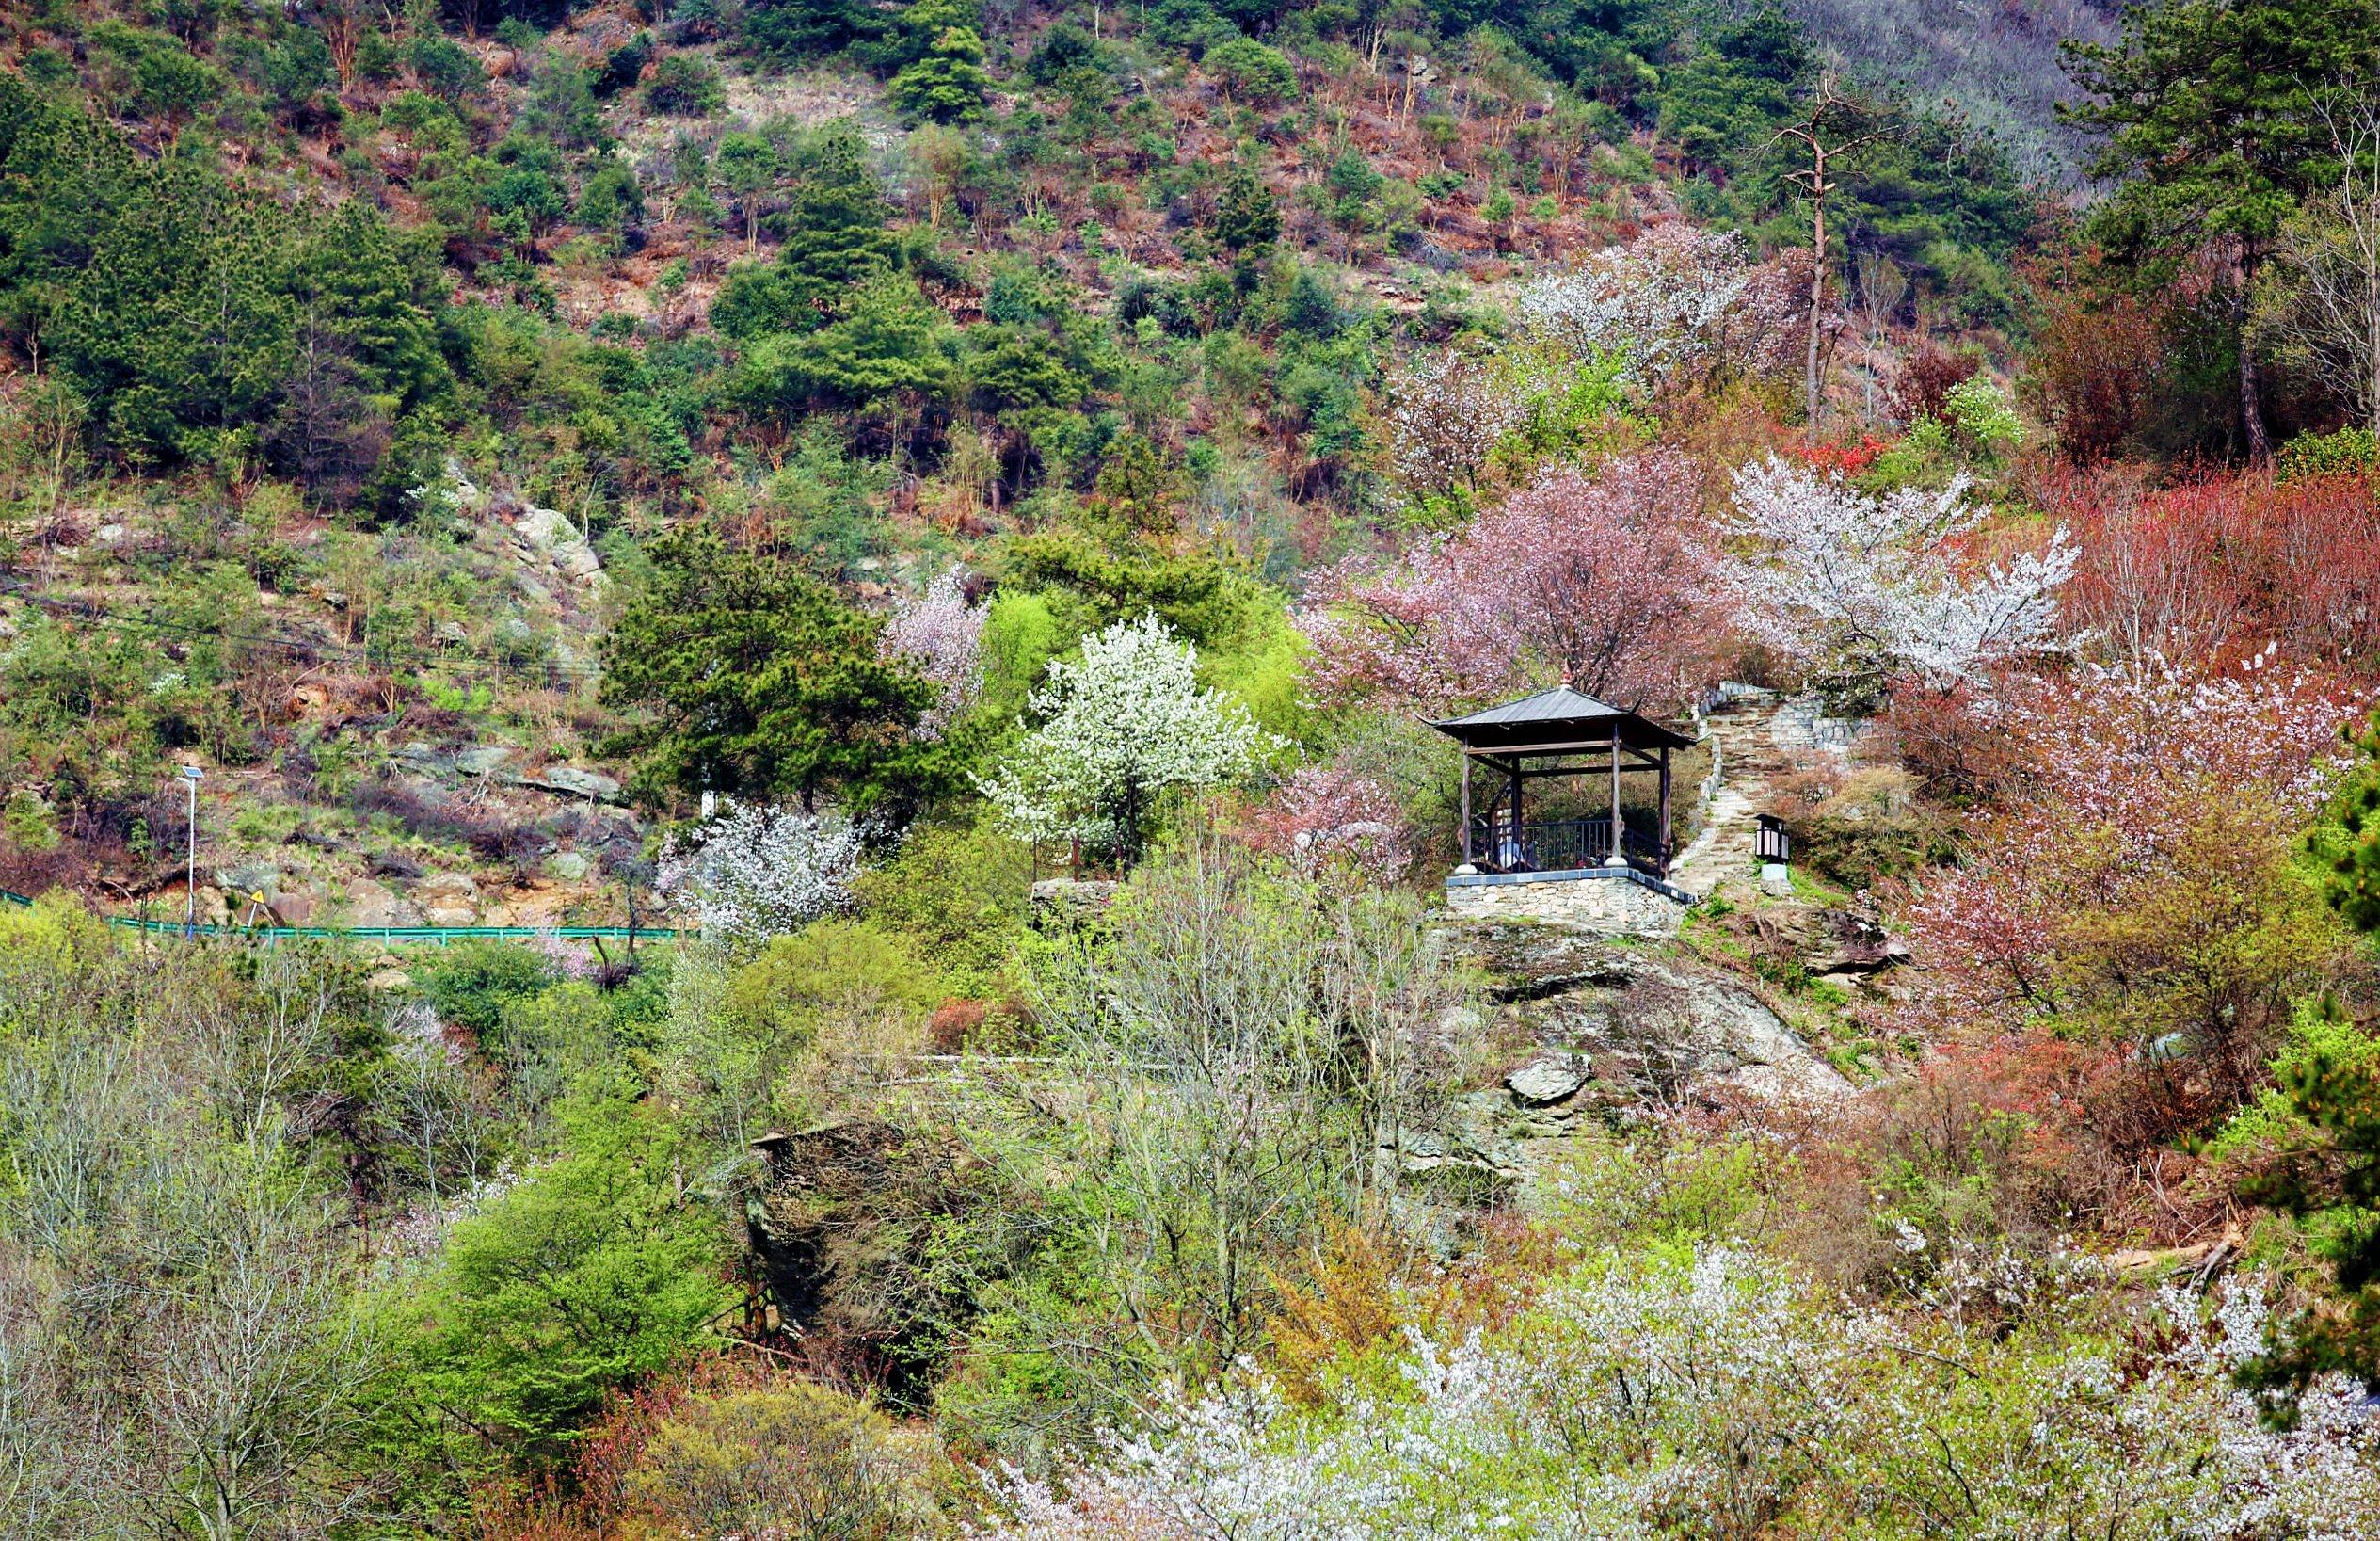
<point x="1557" y="719"/>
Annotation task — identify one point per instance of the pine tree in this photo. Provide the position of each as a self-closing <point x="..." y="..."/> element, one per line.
<point x="2209" y="108"/>
<point x="836" y="240"/>
<point x="1248" y="219"/>
<point x="757" y="680"/>
<point x="948" y="85"/>
<point x="2329" y="1174"/>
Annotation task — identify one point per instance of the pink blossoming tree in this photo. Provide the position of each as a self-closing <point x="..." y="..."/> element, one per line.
<point x="1594" y="580"/>
<point x="940" y="636"/>
<point x="1328" y="815"/>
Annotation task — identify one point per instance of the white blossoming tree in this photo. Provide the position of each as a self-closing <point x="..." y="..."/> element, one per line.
<point x="1678" y="303"/>
<point x="1120" y="727"/>
<point x="1648" y="1397"/>
<point x="1825" y="572"/>
<point x="751" y="871"/>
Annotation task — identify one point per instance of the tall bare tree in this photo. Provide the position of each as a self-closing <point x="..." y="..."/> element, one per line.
<point x="1832" y="128"/>
<point x="2327" y="311"/>
<point x="1881" y="286"/>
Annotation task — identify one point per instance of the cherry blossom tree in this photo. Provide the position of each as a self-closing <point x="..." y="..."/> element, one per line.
<point x="1446" y="415"/>
<point x="1121" y="727"/>
<point x="2128" y="883"/>
<point x="1592" y="579"/>
<point x="1875" y="583"/>
<point x="752" y="870"/>
<point x="1330" y="814"/>
<point x="941" y="637"/>
<point x="1681" y="303"/>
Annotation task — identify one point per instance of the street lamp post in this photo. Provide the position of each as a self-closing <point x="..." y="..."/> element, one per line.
<point x="190" y="774"/>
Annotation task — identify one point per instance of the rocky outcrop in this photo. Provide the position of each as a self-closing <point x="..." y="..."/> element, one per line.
<point x="545" y="540"/>
<point x="1601" y="1033"/>
<point x="1067" y="901"/>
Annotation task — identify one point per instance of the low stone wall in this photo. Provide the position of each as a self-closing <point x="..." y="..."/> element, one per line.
<point x="1604" y="900"/>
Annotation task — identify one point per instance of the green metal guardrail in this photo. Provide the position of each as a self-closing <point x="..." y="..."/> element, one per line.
<point x="392" y="934"/>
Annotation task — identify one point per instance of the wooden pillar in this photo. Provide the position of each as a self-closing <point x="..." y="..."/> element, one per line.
<point x="1614" y="859"/>
<point x="1466" y="808"/>
<point x="1665" y="811"/>
<point x="1520" y="851"/>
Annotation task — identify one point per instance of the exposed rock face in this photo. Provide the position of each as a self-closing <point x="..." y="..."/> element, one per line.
<point x="1856" y="944"/>
<point x="573" y="782"/>
<point x="1649" y="1026"/>
<point x="1608" y="1031"/>
<point x="1548" y="1079"/>
<point x="1063" y="901"/>
<point x="485" y="760"/>
<point x="253" y="877"/>
<point x="545" y="537"/>
<point x="447" y="898"/>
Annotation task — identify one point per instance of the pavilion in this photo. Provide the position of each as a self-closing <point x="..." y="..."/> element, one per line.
<point x="1561" y="733"/>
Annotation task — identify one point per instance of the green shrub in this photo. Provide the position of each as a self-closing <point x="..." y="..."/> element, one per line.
<point x="830" y="972"/>
<point x="685" y="87"/>
<point x="774" y="1462"/>
<point x="1253" y="73"/>
<point x="1871" y="828"/>
<point x="470" y="982"/>
<point x="1982" y="415"/>
<point x="960" y="898"/>
<point x="2349" y="450"/>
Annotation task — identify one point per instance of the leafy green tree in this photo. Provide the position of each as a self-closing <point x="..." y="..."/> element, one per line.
<point x="470" y="984"/>
<point x="526" y="194"/>
<point x="746" y="165"/>
<point x="756" y="680"/>
<point x="171" y="85"/>
<point x="561" y="105"/>
<point x="445" y="67"/>
<point x="823" y="505"/>
<point x="685" y="85"/>
<point x="1253" y="73"/>
<point x="587" y="1276"/>
<point x="175" y="305"/>
<point x="298" y="71"/>
<point x="792" y="31"/>
<point x="2212" y="133"/>
<point x="611" y="200"/>
<point x="622" y="66"/>
<point x="1011" y="367"/>
<point x="1199" y="594"/>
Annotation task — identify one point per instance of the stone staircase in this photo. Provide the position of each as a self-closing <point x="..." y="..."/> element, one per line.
<point x="1756" y="735"/>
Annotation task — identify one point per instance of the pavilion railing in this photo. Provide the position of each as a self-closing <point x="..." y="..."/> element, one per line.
<point x="1561" y="845"/>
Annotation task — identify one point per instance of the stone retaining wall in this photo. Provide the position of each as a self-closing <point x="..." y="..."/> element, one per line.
<point x="1607" y="902"/>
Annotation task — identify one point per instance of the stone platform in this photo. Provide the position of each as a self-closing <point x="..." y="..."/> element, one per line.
<point x="1604" y="900"/>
